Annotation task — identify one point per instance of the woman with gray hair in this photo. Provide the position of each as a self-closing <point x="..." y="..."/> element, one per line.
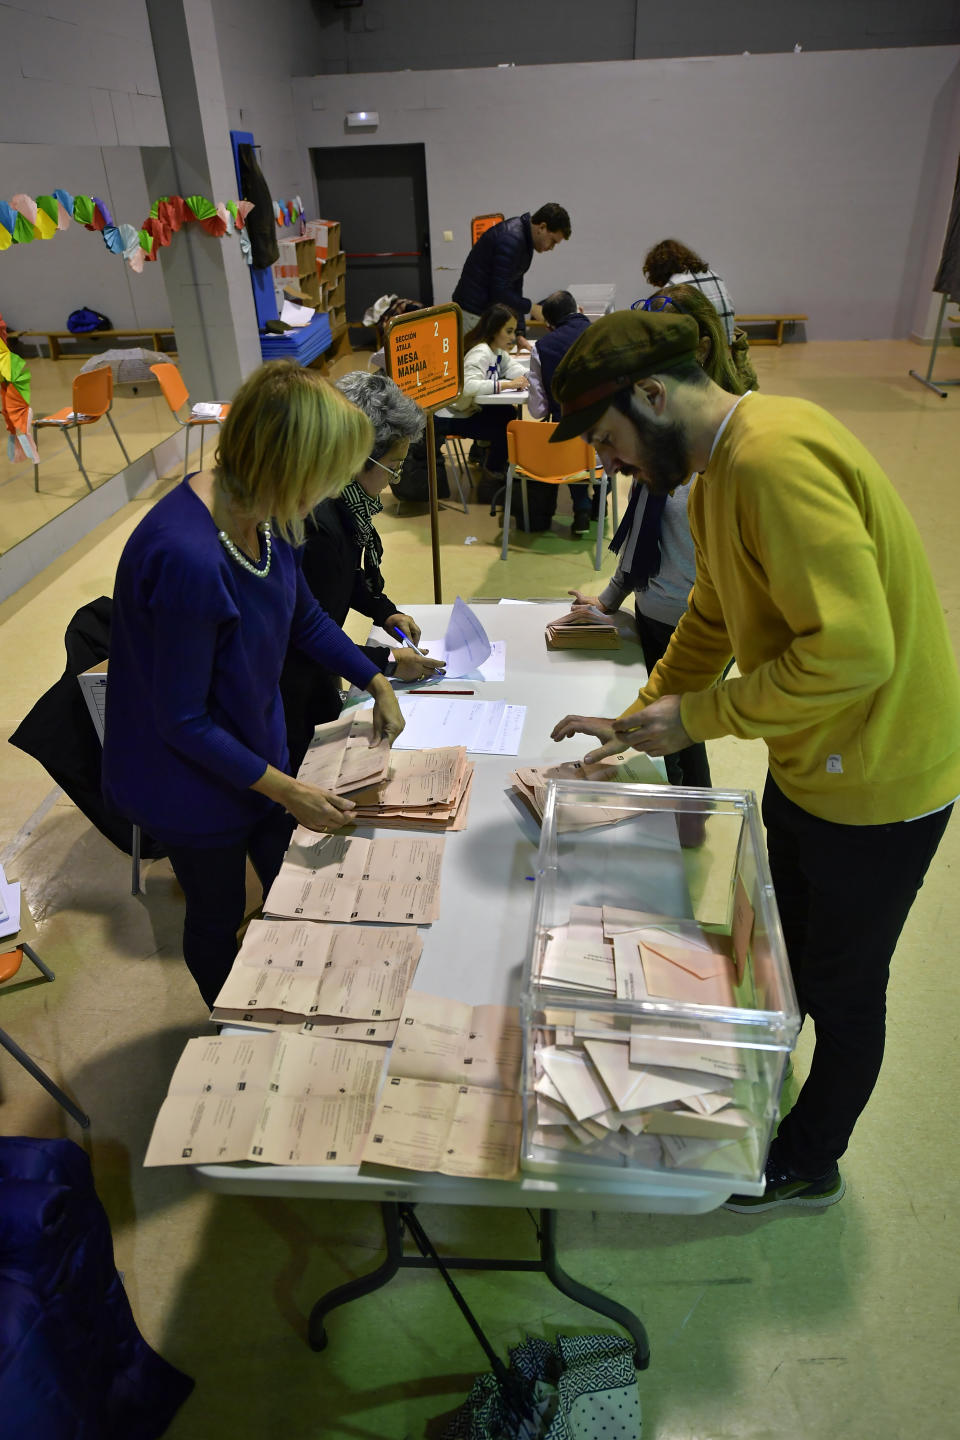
<point x="341" y="563"/>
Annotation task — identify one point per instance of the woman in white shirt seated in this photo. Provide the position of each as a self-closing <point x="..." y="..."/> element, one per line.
<point x="488" y="369"/>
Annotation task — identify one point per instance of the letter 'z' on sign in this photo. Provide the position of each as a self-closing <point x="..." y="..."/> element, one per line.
<point x="423" y="353"/>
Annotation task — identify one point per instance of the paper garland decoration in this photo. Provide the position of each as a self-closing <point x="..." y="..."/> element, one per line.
<point x="25" y="219"/>
<point x="15" y="405"/>
<point x="287" y="212"/>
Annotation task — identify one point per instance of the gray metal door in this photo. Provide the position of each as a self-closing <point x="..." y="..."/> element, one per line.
<point x="379" y="195"/>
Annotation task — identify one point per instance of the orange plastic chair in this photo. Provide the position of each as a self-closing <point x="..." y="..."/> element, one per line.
<point x="177" y="395"/>
<point x="531" y="456"/>
<point x="92" y="399"/>
<point x="9" y="966"/>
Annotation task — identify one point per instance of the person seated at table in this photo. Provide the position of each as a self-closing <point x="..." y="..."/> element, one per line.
<point x="494" y="269"/>
<point x="656" y="562"/>
<point x="670" y="262"/>
<point x="488" y="369"/>
<point x="565" y="323"/>
<point x="341" y="563"/>
<point x="209" y="593"/>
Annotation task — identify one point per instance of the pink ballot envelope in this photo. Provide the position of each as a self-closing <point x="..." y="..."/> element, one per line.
<point x="686" y="968"/>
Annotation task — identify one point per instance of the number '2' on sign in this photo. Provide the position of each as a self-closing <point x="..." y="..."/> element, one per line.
<point x="423" y="353"/>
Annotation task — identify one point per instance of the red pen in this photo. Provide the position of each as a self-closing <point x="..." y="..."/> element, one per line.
<point x="440" y="692"/>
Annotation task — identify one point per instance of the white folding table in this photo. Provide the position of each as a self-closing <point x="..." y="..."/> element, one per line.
<point x="475" y="953"/>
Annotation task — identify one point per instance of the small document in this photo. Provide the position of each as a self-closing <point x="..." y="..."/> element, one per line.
<point x="347" y="879"/>
<point x="296" y="315"/>
<point x="299" y="971"/>
<point x="466" y="646"/>
<point x="484" y="727"/>
<point x="341" y="758"/>
<point x="281" y="1099"/>
<point x="494" y="668"/>
<point x="9" y="905"/>
<point x="457" y="1043"/>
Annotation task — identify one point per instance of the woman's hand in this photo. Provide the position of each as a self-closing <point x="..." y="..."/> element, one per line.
<point x="584" y="725"/>
<point x="411" y="666"/>
<point x="316" y="809"/>
<point x="388" y="721"/>
<point x="405" y="624"/>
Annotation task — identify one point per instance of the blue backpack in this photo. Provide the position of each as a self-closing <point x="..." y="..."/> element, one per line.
<point x="81" y="322"/>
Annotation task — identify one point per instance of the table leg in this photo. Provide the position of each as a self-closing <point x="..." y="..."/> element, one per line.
<point x="353" y="1289"/>
<point x="592" y="1299"/>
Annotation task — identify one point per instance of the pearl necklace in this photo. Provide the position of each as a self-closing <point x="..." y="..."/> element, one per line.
<point x="237" y="554"/>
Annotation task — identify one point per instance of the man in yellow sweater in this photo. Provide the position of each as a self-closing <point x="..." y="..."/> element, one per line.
<point x="811" y="574"/>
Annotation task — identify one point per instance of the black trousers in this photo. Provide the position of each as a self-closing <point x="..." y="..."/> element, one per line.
<point x="685" y="767"/>
<point x="489" y="423"/>
<point x="844" y="893"/>
<point x="214" y="884"/>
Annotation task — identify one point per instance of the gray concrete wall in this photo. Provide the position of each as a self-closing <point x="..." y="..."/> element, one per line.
<point x="814" y="183"/>
<point x="438" y="35"/>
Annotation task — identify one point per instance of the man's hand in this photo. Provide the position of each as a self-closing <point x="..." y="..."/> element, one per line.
<point x="387" y="719"/>
<point x="522" y="342"/>
<point x="593" y="601"/>
<point x="657" y="730"/>
<point x="405" y="624"/>
<point x="411" y="666"/>
<point x="585" y="725"/>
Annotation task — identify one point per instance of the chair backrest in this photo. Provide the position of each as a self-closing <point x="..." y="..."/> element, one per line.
<point x="171" y="383"/>
<point x="93" y="392"/>
<point x="10" y="963"/>
<point x="528" y="445"/>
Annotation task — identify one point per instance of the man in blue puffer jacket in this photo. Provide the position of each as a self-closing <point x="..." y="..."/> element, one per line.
<point x="496" y="265"/>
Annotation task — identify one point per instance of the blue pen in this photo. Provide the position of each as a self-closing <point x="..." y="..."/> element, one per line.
<point x="405" y="640"/>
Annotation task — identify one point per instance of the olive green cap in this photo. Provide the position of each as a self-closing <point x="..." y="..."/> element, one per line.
<point x="610" y="355"/>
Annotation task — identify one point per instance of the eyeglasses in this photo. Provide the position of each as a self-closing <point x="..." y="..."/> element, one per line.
<point x="394" y="473"/>
<point x="658" y="302"/>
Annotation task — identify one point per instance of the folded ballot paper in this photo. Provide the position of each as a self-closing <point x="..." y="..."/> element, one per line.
<point x="348" y="879"/>
<point x="651" y="1092"/>
<point x="395" y="790"/>
<point x="346" y="982"/>
<point x="466" y="650"/>
<point x="583" y="629"/>
<point x="450" y="1101"/>
<point x="530" y="783"/>
<point x="277" y="1098"/>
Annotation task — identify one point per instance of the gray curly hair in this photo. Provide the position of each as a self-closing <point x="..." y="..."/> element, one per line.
<point x="393" y="415"/>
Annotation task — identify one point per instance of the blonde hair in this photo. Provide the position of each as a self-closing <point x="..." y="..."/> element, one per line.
<point x="289" y="441"/>
<point x="728" y="366"/>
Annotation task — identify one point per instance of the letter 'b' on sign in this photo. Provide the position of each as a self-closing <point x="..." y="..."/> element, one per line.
<point x="423" y="353"/>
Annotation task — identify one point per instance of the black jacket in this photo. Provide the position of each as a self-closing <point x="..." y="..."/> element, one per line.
<point x="495" y="268"/>
<point x="59" y="732"/>
<point x="332" y="564"/>
<point x="552" y="347"/>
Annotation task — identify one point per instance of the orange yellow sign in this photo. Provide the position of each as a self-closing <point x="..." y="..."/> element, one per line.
<point x="481" y="223"/>
<point x="423" y="353"/>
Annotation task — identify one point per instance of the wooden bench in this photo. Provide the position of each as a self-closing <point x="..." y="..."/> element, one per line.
<point x="53" y="338"/>
<point x="778" y="321"/>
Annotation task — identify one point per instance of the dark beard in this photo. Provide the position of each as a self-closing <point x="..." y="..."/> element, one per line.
<point x="666" y="454"/>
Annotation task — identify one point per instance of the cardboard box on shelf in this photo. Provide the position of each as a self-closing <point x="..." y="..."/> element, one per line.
<point x="337" y="295"/>
<point x="326" y="234"/>
<point x="332" y="268"/>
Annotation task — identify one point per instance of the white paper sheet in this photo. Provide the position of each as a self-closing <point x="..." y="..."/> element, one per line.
<point x="494" y="668"/>
<point x="466" y="643"/>
<point x="296" y="315"/>
<point x="9" y="905"/>
<point x="485" y="727"/>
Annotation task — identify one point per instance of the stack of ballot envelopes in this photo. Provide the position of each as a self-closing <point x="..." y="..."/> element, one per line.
<point x="391" y="789"/>
<point x="629" y="767"/>
<point x="346" y="982"/>
<point x="583" y="629"/>
<point x="450" y="1102"/>
<point x="603" y="1081"/>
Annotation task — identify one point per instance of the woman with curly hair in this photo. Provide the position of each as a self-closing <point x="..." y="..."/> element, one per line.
<point x="670" y="262"/>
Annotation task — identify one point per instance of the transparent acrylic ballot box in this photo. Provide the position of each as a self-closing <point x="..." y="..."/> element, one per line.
<point x="658" y="1007"/>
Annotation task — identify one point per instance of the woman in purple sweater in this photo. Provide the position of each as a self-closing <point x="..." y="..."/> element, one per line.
<point x="209" y="593"/>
